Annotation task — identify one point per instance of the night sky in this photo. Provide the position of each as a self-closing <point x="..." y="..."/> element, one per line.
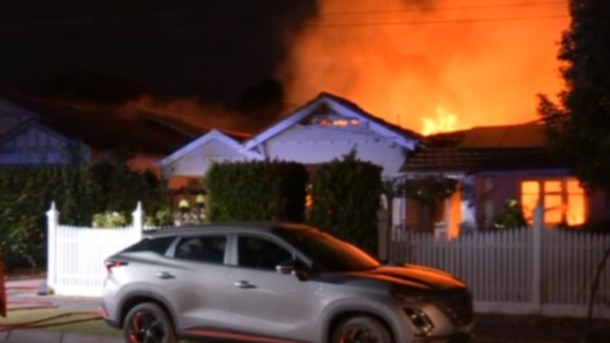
<point x="213" y="50"/>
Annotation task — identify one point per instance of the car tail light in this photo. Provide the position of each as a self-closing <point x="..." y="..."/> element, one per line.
<point x="110" y="264"/>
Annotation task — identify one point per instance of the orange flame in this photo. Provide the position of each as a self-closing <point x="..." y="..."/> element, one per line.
<point x="398" y="59"/>
<point x="445" y="122"/>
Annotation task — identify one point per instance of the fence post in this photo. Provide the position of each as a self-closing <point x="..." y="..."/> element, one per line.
<point x="3" y="300"/>
<point x="537" y="258"/>
<point x="52" y="223"/>
<point x="138" y="220"/>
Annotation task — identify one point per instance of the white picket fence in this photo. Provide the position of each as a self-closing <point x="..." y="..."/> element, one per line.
<point x="526" y="271"/>
<point x="75" y="255"/>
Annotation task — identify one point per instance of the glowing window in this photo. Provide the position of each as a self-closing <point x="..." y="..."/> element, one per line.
<point x="563" y="200"/>
<point x="530" y="193"/>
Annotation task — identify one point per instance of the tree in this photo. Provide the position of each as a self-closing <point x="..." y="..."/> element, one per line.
<point x="579" y="125"/>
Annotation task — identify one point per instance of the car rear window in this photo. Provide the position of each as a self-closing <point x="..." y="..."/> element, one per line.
<point x="157" y="245"/>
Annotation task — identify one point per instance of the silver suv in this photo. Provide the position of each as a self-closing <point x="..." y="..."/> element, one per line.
<point x="276" y="282"/>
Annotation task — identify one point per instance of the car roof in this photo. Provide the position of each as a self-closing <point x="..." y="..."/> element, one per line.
<point x="227" y="227"/>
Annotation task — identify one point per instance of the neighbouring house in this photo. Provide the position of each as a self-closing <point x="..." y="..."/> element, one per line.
<point x="326" y="128"/>
<point x="493" y="165"/>
<point x="38" y="131"/>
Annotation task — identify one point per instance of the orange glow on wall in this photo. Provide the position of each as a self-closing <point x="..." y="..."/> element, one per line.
<point x="455" y="215"/>
<point x="484" y="61"/>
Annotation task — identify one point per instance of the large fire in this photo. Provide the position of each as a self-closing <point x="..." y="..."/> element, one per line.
<point x="444" y="122"/>
<point x="484" y="61"/>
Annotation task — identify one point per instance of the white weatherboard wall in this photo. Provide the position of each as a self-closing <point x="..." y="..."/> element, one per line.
<point x="75" y="255"/>
<point x="524" y="271"/>
<point x="313" y="144"/>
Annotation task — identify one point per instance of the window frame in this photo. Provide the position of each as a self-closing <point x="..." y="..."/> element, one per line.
<point x="563" y="193"/>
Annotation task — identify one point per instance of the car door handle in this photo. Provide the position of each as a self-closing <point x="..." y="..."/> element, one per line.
<point x="243" y="284"/>
<point x="165" y="275"/>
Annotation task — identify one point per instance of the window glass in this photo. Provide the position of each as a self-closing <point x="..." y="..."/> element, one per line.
<point x="260" y="253"/>
<point x="530" y="193"/>
<point x="576" y="203"/>
<point x="210" y="249"/>
<point x="327" y="252"/>
<point x="553" y="209"/>
<point x="156" y="245"/>
<point x="563" y="200"/>
<point x="552" y="187"/>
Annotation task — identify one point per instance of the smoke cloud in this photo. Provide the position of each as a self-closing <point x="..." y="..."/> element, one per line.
<point x="406" y="61"/>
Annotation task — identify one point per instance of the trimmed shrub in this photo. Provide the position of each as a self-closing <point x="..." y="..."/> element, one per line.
<point x="256" y="191"/>
<point x="346" y="200"/>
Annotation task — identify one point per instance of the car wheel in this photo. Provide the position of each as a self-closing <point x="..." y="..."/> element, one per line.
<point x="361" y="329"/>
<point x="148" y="323"/>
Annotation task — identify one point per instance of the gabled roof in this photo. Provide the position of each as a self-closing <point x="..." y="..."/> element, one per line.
<point x="340" y="105"/>
<point x="32" y="123"/>
<point x="494" y="148"/>
<point x="167" y="121"/>
<point x="102" y="128"/>
<point x="210" y="136"/>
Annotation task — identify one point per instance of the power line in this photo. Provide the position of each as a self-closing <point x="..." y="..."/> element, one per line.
<point x="447" y="21"/>
<point x="450" y="8"/>
<point x="180" y="26"/>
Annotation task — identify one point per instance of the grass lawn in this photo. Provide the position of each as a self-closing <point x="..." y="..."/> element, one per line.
<point x="56" y="320"/>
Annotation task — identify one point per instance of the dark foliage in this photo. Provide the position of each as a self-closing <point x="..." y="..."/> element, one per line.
<point x="579" y="124"/>
<point x="346" y="200"/>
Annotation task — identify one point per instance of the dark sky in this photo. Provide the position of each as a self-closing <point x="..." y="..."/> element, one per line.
<point x="174" y="48"/>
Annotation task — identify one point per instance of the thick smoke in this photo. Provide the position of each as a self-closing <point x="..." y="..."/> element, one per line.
<point x="481" y="60"/>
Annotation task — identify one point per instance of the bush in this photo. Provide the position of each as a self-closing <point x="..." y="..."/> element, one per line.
<point x="346" y="200"/>
<point x="261" y="190"/>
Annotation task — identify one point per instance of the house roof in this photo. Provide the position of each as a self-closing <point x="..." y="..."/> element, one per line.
<point x="497" y="148"/>
<point x="103" y="128"/>
<point x="168" y="121"/>
<point x="210" y="136"/>
<point x="32" y="123"/>
<point x="403" y="136"/>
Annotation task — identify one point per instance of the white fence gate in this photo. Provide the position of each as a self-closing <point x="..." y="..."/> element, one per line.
<point x="526" y="271"/>
<point x="75" y="255"/>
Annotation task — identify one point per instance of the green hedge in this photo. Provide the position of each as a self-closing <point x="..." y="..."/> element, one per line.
<point x="256" y="191"/>
<point x="346" y="199"/>
<point x="79" y="192"/>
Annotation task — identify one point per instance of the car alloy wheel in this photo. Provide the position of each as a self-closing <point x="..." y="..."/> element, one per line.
<point x="148" y="323"/>
<point x="362" y="329"/>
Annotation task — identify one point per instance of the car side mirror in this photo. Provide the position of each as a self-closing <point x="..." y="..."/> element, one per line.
<point x="293" y="267"/>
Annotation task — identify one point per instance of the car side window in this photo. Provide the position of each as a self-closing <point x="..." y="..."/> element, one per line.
<point x="210" y="249"/>
<point x="156" y="245"/>
<point x="260" y="253"/>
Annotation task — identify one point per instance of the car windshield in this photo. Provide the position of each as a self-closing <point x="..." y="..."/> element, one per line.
<point x="327" y="252"/>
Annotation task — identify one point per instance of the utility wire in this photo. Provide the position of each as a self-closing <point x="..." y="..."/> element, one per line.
<point x="447" y="21"/>
<point x="169" y="14"/>
<point x="449" y="8"/>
